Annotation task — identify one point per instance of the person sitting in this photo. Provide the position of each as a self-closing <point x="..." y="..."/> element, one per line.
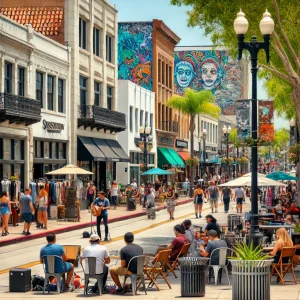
<point x="211" y="225"/>
<point x="61" y="265"/>
<point x="294" y="209"/>
<point x="279" y="210"/>
<point x="126" y="254"/>
<point x="289" y="220"/>
<point x="102" y="258"/>
<point x="213" y="243"/>
<point x="189" y="233"/>
<point x="179" y="241"/>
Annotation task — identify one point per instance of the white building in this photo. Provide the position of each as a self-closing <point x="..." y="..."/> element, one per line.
<point x="139" y="105"/>
<point x="34" y="72"/>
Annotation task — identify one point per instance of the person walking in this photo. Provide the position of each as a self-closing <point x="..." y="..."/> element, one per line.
<point x="90" y="193"/>
<point x="142" y="195"/>
<point x="239" y="197"/>
<point x="42" y="203"/>
<point x="213" y="192"/>
<point x="114" y="193"/>
<point x="171" y="201"/>
<point x="103" y="203"/>
<point x="27" y="210"/>
<point x="185" y="186"/>
<point x="5" y="211"/>
<point x="226" y="195"/>
<point x="198" y="201"/>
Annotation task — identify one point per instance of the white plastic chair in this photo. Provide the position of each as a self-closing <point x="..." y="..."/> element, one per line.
<point x="223" y="254"/>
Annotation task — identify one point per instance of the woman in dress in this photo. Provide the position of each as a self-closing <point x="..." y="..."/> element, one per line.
<point x="5" y="211"/>
<point x="42" y="202"/>
<point x="198" y="201"/>
<point x="171" y="202"/>
<point x="114" y="193"/>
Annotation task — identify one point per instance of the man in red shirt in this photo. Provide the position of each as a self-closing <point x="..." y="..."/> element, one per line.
<point x="178" y="242"/>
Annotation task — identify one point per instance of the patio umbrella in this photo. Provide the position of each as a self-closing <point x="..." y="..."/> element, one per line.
<point x="281" y="176"/>
<point x="157" y="171"/>
<point x="69" y="170"/>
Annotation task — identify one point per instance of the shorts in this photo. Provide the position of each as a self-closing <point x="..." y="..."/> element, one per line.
<point x="43" y="208"/>
<point x="4" y="211"/>
<point x="119" y="270"/>
<point x="67" y="267"/>
<point x="27" y="217"/>
<point x="239" y="201"/>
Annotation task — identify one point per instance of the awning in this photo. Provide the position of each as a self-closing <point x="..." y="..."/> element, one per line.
<point x="184" y="155"/>
<point x="168" y="156"/>
<point x="100" y="150"/>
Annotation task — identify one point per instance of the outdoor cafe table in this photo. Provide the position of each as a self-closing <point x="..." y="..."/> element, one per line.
<point x="277" y="226"/>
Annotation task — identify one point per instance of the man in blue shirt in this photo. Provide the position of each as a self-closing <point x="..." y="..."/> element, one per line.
<point x="102" y="203"/>
<point x="61" y="265"/>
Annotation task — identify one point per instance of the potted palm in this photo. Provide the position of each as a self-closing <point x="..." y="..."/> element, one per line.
<point x="251" y="273"/>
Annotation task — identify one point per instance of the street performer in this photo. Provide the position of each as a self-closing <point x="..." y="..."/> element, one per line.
<point x="101" y="203"/>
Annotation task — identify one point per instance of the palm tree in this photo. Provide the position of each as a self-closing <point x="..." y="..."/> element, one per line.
<point x="192" y="104"/>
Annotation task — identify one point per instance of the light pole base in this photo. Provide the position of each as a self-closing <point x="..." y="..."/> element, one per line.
<point x="256" y="238"/>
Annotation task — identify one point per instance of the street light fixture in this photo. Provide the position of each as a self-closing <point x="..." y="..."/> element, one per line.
<point x="144" y="143"/>
<point x="266" y="27"/>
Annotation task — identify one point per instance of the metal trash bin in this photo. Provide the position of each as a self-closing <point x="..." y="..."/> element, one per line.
<point x="131" y="205"/>
<point x="193" y="276"/>
<point x="251" y="279"/>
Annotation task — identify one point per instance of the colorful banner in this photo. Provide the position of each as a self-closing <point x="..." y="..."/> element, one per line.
<point x="243" y="119"/>
<point x="266" y="120"/>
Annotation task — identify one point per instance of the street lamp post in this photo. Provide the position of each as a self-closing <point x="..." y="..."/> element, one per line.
<point x="293" y="137"/>
<point x="204" y="134"/>
<point x="266" y="27"/>
<point x="145" y="146"/>
<point x="226" y="132"/>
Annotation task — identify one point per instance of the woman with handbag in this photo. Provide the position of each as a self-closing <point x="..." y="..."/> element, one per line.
<point x="42" y="202"/>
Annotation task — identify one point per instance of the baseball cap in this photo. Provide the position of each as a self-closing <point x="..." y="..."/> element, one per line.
<point x="212" y="233"/>
<point x="94" y="237"/>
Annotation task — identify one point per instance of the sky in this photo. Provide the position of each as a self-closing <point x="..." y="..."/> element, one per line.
<point x="175" y="18"/>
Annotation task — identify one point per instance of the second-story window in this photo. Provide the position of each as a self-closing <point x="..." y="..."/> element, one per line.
<point x="21" y="81"/>
<point x="8" y="78"/>
<point x="60" y="94"/>
<point x="109" y="97"/>
<point x="39" y="87"/>
<point x="83" y="90"/>
<point x="50" y="92"/>
<point x="109" y="48"/>
<point x="82" y="34"/>
<point x="97" y="93"/>
<point x="96" y="41"/>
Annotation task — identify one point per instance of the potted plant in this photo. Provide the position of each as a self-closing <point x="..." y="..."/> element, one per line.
<point x="251" y="273"/>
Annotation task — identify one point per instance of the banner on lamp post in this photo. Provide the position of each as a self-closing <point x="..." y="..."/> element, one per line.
<point x="266" y="120"/>
<point x="243" y="118"/>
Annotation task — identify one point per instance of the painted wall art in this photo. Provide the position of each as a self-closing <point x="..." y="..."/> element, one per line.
<point x="135" y="53"/>
<point x="210" y="70"/>
<point x="266" y="120"/>
<point x="243" y="124"/>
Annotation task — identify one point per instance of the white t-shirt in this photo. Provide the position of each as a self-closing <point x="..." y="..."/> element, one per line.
<point x="98" y="251"/>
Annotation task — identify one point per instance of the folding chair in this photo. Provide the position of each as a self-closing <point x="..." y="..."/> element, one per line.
<point x="282" y="268"/>
<point x="92" y="274"/>
<point x="139" y="274"/>
<point x="152" y="273"/>
<point x="172" y="266"/>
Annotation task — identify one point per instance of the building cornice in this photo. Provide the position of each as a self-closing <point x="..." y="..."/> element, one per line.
<point x="166" y="32"/>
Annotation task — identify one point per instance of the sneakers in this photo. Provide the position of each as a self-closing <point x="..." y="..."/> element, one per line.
<point x="106" y="239"/>
<point x="24" y="232"/>
<point x="119" y="291"/>
<point x="196" y="216"/>
<point x="28" y="233"/>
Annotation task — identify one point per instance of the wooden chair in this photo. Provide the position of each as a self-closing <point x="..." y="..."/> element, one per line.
<point x="282" y="268"/>
<point x="172" y="266"/>
<point x="160" y="262"/>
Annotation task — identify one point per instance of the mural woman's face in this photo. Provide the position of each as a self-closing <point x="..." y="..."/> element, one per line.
<point x="209" y="74"/>
<point x="184" y="74"/>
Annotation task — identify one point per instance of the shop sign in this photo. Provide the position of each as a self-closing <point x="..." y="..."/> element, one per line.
<point x="115" y="159"/>
<point x="53" y="126"/>
<point x="165" y="140"/>
<point x="181" y="144"/>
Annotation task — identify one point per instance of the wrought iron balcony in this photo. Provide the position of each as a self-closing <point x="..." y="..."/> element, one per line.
<point x="101" y="118"/>
<point x="171" y="126"/>
<point x="17" y="109"/>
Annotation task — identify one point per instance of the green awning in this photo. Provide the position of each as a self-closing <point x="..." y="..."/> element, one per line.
<point x="168" y="156"/>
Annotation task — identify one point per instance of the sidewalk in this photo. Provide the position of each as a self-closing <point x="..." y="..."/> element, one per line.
<point x="120" y="214"/>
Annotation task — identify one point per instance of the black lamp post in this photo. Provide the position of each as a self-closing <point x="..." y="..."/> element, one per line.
<point x="204" y="135"/>
<point x="226" y="132"/>
<point x="266" y="27"/>
<point x="293" y="136"/>
<point x="145" y="146"/>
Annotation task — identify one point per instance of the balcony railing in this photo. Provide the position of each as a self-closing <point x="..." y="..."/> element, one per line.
<point x="168" y="126"/>
<point x="17" y="109"/>
<point x="101" y="118"/>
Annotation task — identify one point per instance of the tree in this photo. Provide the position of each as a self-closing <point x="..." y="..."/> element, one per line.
<point x="281" y="140"/>
<point x="192" y="104"/>
<point x="283" y="73"/>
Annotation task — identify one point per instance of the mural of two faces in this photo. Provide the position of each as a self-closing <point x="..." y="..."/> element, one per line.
<point x="135" y="53"/>
<point x="211" y="70"/>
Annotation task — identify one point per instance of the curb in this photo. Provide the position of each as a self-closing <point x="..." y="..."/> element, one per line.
<point x="34" y="236"/>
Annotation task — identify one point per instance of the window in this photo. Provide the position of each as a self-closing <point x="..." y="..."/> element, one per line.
<point x="109" y="97"/>
<point x="141" y="118"/>
<point x="83" y="90"/>
<point x="8" y="78"/>
<point x="170" y="77"/>
<point x="146" y="119"/>
<point x="50" y="91"/>
<point x="109" y="48"/>
<point x="131" y="118"/>
<point x="167" y="75"/>
<point x="136" y="120"/>
<point x="21" y="81"/>
<point x="60" y="95"/>
<point x="96" y="41"/>
<point x="163" y="73"/>
<point x="82" y="34"/>
<point x="97" y="92"/>
<point x="159" y="70"/>
<point x="39" y="87"/>
<point x="151" y="122"/>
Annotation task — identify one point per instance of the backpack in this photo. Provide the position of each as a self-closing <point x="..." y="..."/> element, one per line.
<point x="85" y="234"/>
<point x="37" y="283"/>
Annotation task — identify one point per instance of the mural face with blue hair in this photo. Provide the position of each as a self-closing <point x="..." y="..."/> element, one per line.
<point x="184" y="73"/>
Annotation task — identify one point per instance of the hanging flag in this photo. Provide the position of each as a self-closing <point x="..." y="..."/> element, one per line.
<point x="243" y="119"/>
<point x="266" y="120"/>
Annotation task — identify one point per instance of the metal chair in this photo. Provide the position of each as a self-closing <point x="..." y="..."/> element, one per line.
<point x="49" y="263"/>
<point x="139" y="274"/>
<point x="92" y="274"/>
<point x="223" y="253"/>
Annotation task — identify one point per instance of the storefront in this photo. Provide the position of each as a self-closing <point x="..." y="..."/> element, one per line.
<point x="182" y="149"/>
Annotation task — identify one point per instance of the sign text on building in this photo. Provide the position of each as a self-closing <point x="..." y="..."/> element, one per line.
<point x="53" y="126"/>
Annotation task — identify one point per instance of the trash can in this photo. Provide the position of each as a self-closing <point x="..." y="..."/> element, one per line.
<point x="251" y="279"/>
<point x="131" y="204"/>
<point x="193" y="279"/>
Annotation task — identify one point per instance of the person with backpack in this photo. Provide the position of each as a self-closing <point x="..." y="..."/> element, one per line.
<point x="213" y="193"/>
<point x="198" y="201"/>
<point x="226" y="194"/>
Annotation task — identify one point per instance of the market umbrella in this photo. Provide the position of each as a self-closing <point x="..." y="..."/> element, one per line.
<point x="281" y="176"/>
<point x="157" y="171"/>
<point x="69" y="170"/>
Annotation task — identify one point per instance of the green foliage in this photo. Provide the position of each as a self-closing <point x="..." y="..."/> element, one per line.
<point x="245" y="252"/>
<point x="281" y="139"/>
<point x="233" y="138"/>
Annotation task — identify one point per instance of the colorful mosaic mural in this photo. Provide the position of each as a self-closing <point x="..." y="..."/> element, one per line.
<point x="210" y="70"/>
<point x="135" y="53"/>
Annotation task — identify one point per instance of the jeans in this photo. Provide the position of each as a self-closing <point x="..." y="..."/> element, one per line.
<point x="90" y="198"/>
<point x="226" y="204"/>
<point x="104" y="217"/>
<point x="114" y="200"/>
